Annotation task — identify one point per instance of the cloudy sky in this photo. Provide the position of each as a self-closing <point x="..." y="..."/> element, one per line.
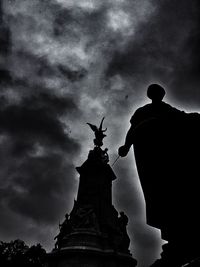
<point x="64" y="63"/>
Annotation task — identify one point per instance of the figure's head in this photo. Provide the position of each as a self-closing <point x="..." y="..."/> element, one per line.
<point x="155" y="92"/>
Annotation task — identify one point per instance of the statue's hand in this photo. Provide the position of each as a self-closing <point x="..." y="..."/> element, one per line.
<point x="123" y="151"/>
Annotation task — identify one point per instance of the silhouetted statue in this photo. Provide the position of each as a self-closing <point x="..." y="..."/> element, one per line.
<point x="65" y="228"/>
<point x="157" y="110"/>
<point x="99" y="133"/>
<point x="93" y="234"/>
<point x="166" y="142"/>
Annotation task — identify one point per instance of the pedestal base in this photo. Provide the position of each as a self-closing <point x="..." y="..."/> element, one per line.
<point x="82" y="256"/>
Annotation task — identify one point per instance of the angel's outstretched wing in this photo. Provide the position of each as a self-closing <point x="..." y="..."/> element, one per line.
<point x="101" y="125"/>
<point x="93" y="127"/>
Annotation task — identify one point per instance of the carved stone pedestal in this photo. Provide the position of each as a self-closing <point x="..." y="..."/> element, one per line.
<point x="85" y="256"/>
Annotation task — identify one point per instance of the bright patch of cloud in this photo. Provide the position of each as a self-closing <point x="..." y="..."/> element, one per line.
<point x="86" y="5"/>
<point x="118" y="20"/>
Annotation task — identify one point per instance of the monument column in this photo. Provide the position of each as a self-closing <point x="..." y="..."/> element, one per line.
<point x="93" y="234"/>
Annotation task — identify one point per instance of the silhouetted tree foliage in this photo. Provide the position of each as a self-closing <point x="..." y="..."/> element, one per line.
<point x="17" y="253"/>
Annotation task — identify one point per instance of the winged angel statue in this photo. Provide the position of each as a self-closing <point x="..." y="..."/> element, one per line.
<point x="99" y="133"/>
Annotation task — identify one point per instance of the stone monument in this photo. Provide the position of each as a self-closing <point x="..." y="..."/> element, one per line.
<point x="93" y="234"/>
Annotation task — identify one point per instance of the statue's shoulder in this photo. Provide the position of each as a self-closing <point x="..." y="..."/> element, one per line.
<point x="140" y="114"/>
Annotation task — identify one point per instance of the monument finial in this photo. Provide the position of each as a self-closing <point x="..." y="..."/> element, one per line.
<point x="99" y="133"/>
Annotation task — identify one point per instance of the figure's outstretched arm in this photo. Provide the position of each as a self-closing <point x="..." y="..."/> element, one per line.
<point x="123" y="150"/>
<point x="129" y="137"/>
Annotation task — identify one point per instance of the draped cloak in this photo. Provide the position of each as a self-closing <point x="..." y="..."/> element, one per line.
<point x="167" y="146"/>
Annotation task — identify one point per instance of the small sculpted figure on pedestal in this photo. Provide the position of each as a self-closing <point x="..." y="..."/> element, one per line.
<point x="99" y="133"/>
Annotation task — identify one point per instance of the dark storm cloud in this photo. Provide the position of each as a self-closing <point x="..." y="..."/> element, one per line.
<point x="69" y="62"/>
<point x="38" y="118"/>
<point x="39" y="187"/>
<point x="67" y="19"/>
<point x="5" y="77"/>
<point x="165" y="49"/>
<point x="39" y="147"/>
<point x="5" y="37"/>
<point x="72" y="75"/>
